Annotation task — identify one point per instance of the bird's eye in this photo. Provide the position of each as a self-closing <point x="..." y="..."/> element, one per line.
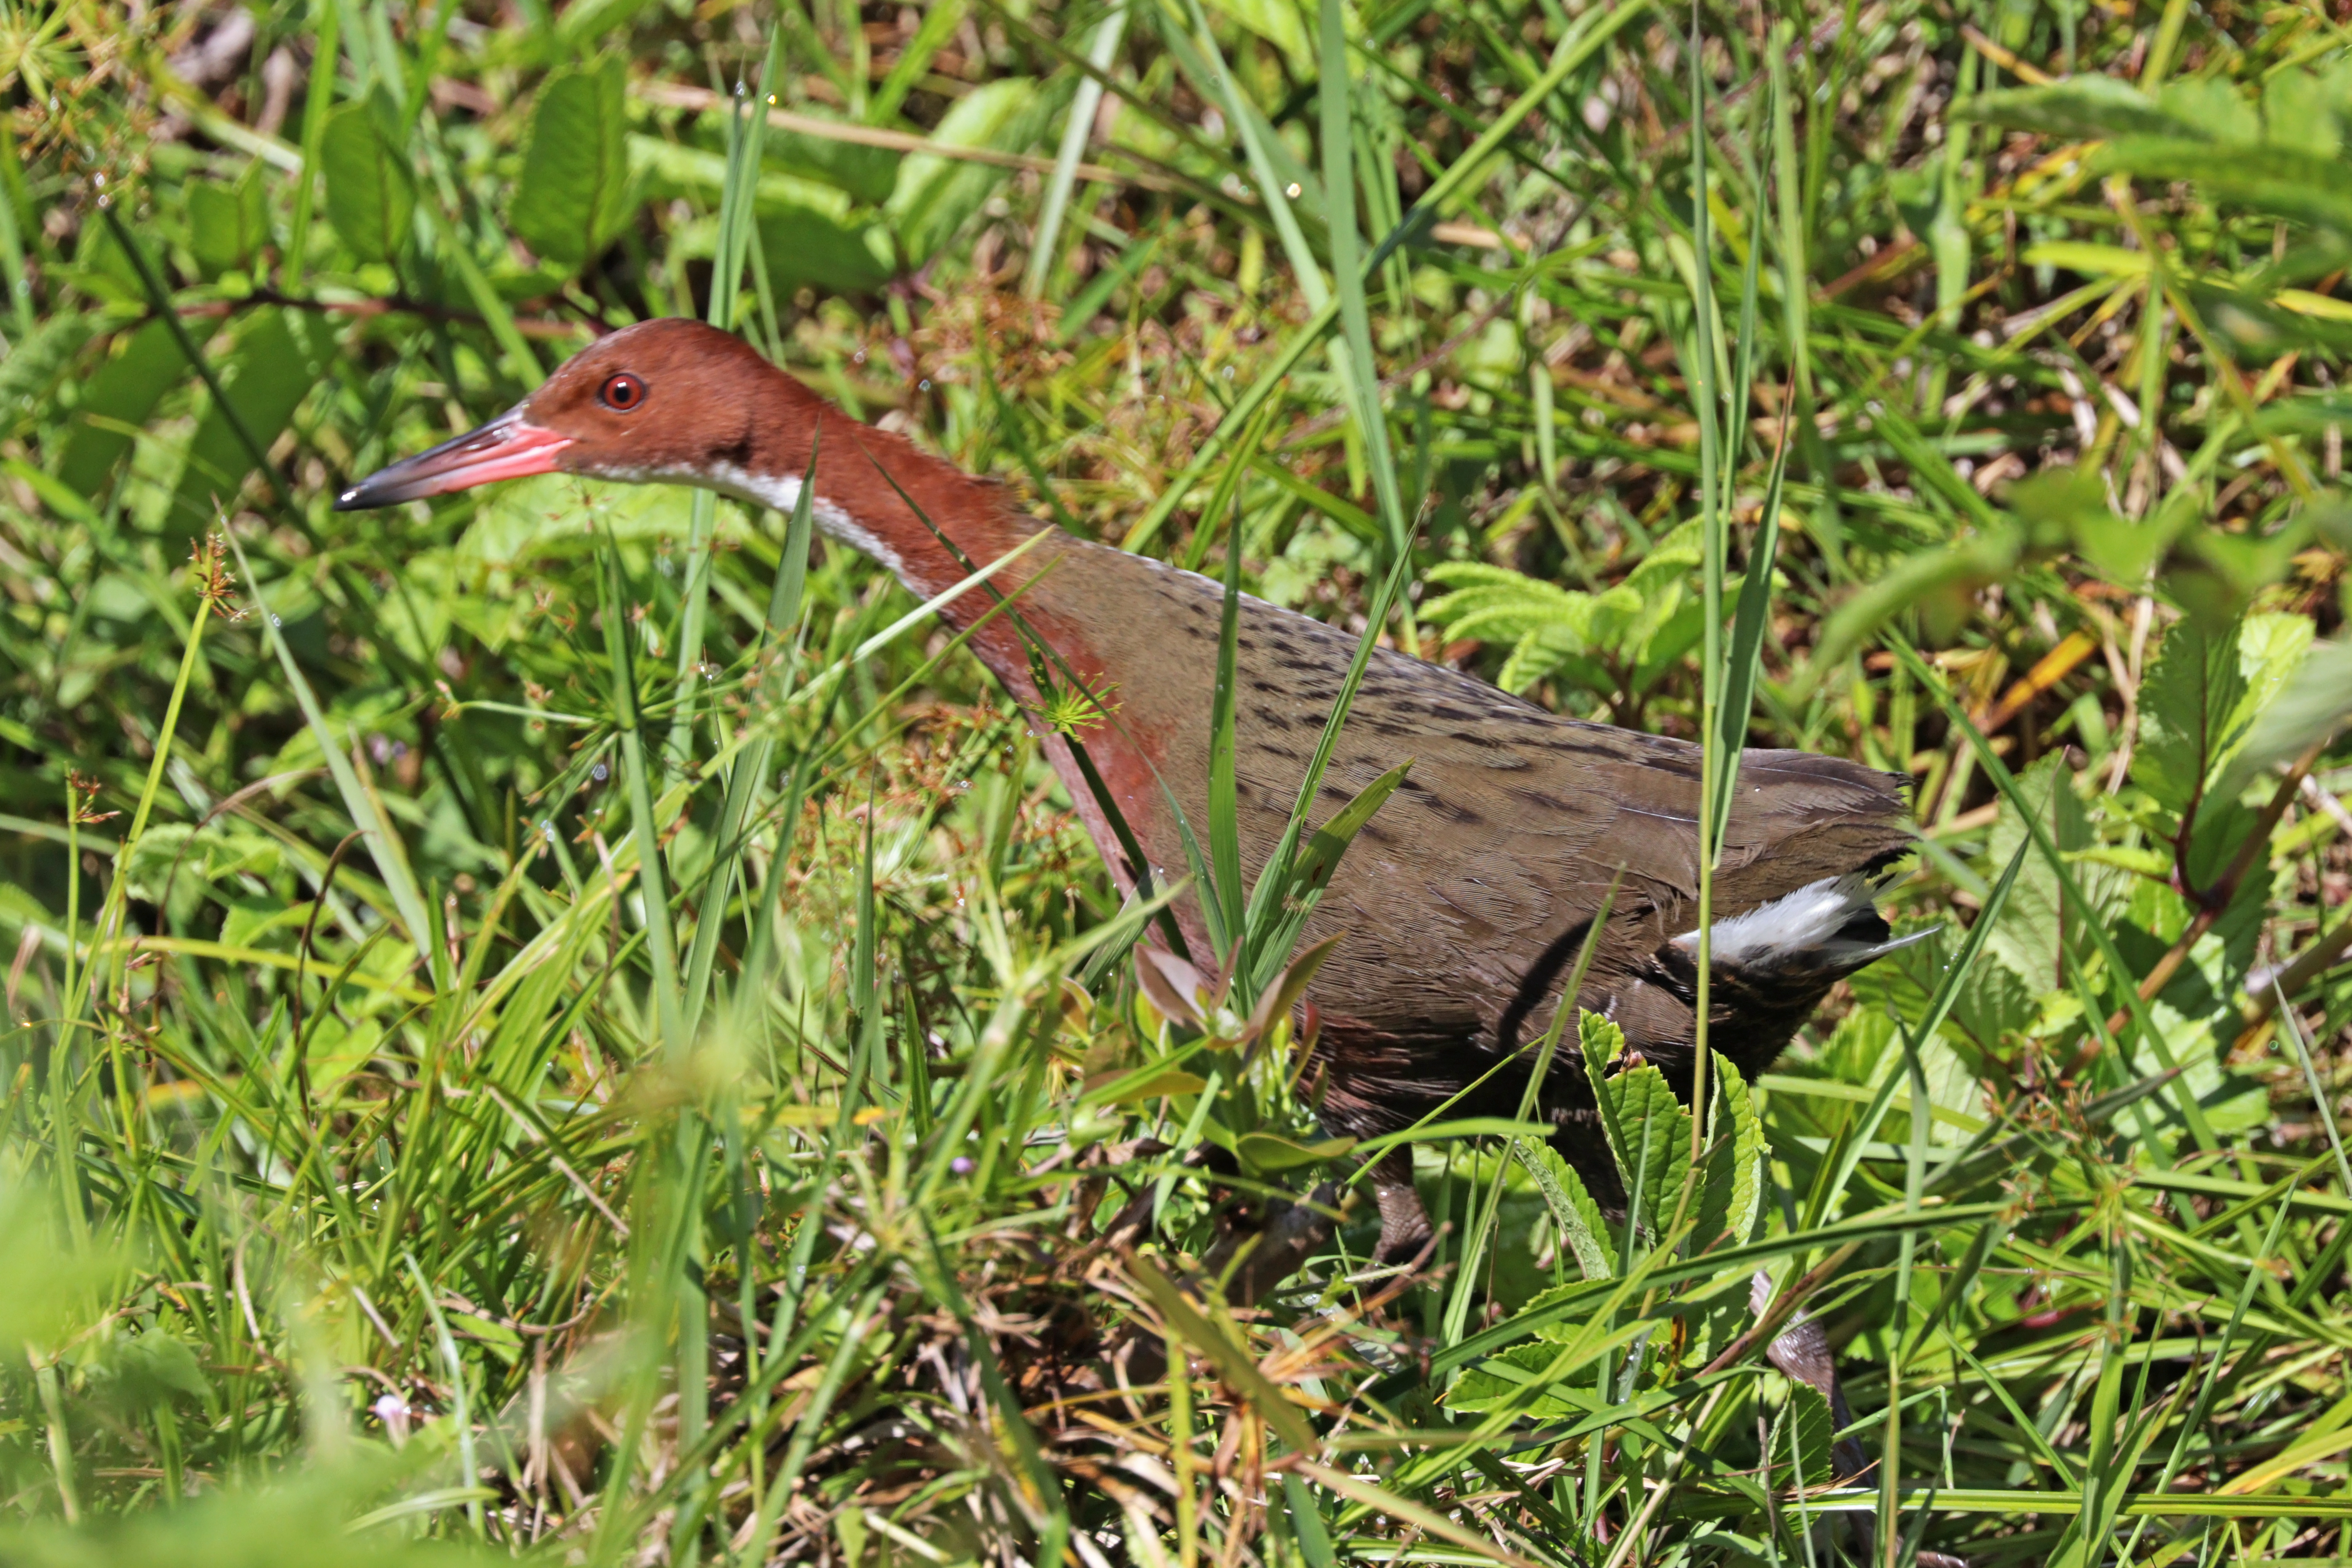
<point x="622" y="393"/>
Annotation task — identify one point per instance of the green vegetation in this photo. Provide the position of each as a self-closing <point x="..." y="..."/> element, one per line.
<point x="577" y="1024"/>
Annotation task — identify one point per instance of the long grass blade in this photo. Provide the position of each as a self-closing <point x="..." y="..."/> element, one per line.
<point x="745" y="780"/>
<point x="1083" y="107"/>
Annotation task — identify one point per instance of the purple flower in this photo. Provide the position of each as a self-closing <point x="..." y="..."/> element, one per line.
<point x="961" y="1166"/>
<point x="394" y="1412"/>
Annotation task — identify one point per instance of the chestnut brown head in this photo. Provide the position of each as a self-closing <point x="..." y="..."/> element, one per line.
<point x="667" y="400"/>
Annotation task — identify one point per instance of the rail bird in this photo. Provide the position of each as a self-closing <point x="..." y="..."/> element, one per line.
<point x="1464" y="902"/>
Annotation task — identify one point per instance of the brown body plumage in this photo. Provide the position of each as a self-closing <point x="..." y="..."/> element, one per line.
<point x="1464" y="902"/>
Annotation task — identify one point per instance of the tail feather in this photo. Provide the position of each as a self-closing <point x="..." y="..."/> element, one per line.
<point x="1831" y="927"/>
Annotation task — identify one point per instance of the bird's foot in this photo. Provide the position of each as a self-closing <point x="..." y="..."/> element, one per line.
<point x="1251" y="1262"/>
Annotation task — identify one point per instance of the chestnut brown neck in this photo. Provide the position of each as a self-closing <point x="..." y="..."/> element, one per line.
<point x="719" y="415"/>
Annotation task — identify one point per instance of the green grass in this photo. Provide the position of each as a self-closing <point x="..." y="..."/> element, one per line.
<point x="581" y="1025"/>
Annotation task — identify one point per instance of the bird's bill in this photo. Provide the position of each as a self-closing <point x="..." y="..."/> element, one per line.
<point x="508" y="447"/>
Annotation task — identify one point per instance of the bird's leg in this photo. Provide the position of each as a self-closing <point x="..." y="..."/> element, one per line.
<point x="1802" y="1354"/>
<point x="1405" y="1233"/>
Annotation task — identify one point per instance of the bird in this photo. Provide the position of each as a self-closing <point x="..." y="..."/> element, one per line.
<point x="1464" y="903"/>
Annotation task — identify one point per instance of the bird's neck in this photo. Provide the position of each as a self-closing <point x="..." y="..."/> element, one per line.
<point x="929" y="522"/>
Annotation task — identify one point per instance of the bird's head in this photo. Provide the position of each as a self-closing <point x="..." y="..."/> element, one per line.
<point x="667" y="400"/>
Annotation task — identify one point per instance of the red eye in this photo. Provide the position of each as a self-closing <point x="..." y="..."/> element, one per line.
<point x="622" y="393"/>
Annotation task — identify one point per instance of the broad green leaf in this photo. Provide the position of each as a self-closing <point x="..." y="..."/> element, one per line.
<point x="575" y="191"/>
<point x="371" y="197"/>
<point x="1280" y="22"/>
<point x="1269" y="1153"/>
<point x="2308" y="708"/>
<point x="227" y="223"/>
<point x="583" y="22"/>
<point x="100" y="267"/>
<point x="1733" y="1189"/>
<point x="1501" y="1380"/>
<point x="867" y="174"/>
<point x="37" y="361"/>
<point x="2283" y="181"/>
<point x="2210" y="106"/>
<point x="2188" y="704"/>
<point x="1582" y="1229"/>
<point x="142" y="1371"/>
<point x="810" y="233"/>
<point x="935" y="195"/>
<point x="277" y="357"/>
<point x="2025" y="941"/>
<point x="2217" y="573"/>
<point x="1801" y="1435"/>
<point x="2299" y="112"/>
<point x="2081" y="108"/>
<point x="31" y="1248"/>
<point x="1650" y="1138"/>
<point x="1146" y="1083"/>
<point x="804" y="246"/>
<point x="2070" y="504"/>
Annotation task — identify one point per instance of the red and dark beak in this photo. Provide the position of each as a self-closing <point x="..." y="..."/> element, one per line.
<point x="508" y="447"/>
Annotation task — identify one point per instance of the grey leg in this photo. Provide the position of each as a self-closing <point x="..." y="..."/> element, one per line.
<point x="1802" y="1354"/>
<point x="1405" y="1233"/>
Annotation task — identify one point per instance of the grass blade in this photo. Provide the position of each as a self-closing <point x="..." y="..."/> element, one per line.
<point x="745" y="779"/>
<point x="1075" y="131"/>
<point x="1359" y="370"/>
<point x="637" y="776"/>
<point x="384" y="847"/>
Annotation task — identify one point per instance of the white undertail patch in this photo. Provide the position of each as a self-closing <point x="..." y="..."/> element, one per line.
<point x="1801" y="929"/>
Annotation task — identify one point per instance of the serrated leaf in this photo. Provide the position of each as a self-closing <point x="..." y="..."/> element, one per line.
<point x="1506" y="1380"/>
<point x="575" y="191"/>
<point x="1582" y="1228"/>
<point x="1494" y="603"/>
<point x="2310" y="707"/>
<point x="1734" y="1186"/>
<point x="371" y="197"/>
<point x="2025" y="941"/>
<point x="1650" y="1135"/>
<point x="1802" y="1435"/>
<point x="1600" y="1041"/>
<point x="37" y="361"/>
